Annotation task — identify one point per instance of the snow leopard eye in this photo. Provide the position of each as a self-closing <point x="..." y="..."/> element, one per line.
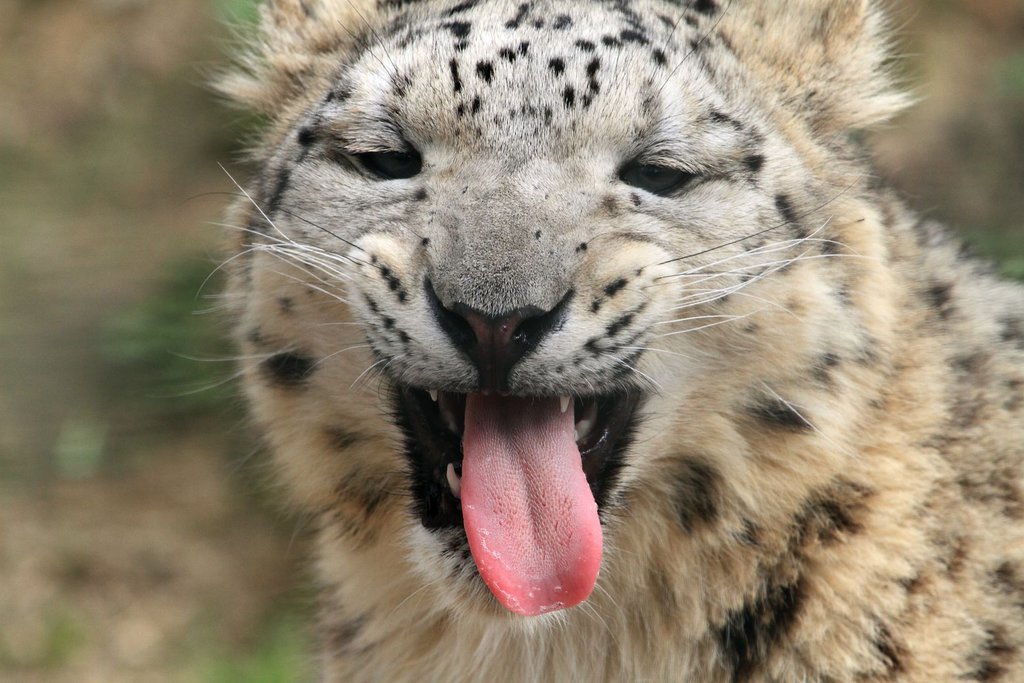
<point x="659" y="180"/>
<point x="392" y="165"/>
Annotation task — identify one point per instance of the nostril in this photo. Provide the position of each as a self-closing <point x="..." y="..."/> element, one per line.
<point x="495" y="343"/>
<point x="454" y="325"/>
<point x="531" y="331"/>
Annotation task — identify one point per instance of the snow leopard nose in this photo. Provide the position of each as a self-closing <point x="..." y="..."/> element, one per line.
<point x="495" y="343"/>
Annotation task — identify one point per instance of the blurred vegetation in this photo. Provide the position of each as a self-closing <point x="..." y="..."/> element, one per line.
<point x="136" y="537"/>
<point x="147" y="347"/>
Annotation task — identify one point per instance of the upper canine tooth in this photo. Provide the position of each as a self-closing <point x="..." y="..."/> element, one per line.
<point x="454" y="483"/>
<point x="433" y="395"/>
<point x="565" y="403"/>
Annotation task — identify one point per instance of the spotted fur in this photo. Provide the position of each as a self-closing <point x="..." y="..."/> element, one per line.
<point x="825" y="481"/>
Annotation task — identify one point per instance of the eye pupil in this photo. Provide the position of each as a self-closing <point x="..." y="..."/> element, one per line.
<point x="392" y="165"/>
<point x="660" y="180"/>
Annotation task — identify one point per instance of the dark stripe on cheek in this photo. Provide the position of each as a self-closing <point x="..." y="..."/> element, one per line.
<point x="283" y="177"/>
<point x="697" y="492"/>
<point x="777" y="413"/>
<point x="785" y="208"/>
<point x="288" y="370"/>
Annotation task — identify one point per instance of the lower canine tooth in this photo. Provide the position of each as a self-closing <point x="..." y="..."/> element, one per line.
<point x="453" y="481"/>
<point x="583" y="428"/>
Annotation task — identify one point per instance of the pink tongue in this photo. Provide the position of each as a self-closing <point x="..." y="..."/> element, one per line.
<point x="529" y="514"/>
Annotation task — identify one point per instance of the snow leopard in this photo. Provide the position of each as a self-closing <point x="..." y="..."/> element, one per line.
<point x="596" y="349"/>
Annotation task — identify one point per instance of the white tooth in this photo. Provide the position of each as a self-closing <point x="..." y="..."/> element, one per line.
<point x="454" y="482"/>
<point x="565" y="403"/>
<point x="575" y="435"/>
<point x="583" y="428"/>
<point x="433" y="395"/>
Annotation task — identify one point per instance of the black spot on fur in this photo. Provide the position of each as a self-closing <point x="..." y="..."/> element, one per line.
<point x="394" y="283"/>
<point x="340" y="635"/>
<point x="586" y="45"/>
<point x="751" y="633"/>
<point x="635" y="198"/>
<point x="485" y="70"/>
<point x="285" y="304"/>
<point x="611" y="41"/>
<point x="823" y="368"/>
<point x="631" y="36"/>
<point x="619" y="324"/>
<point x="581" y="247"/>
<point x="421" y="194"/>
<point x="508" y="54"/>
<point x="749" y="534"/>
<point x="659" y="57"/>
<point x="996" y="489"/>
<point x="475" y="107"/>
<point x="785" y="208"/>
<point x="557" y="65"/>
<point x="832" y="515"/>
<point x="1012" y="332"/>
<point x="777" y="413"/>
<point x="569" y="97"/>
<point x="890" y="653"/>
<point x="342" y="438"/>
<point x="615" y="287"/>
<point x="697" y="488"/>
<point x="459" y="29"/>
<point x="462" y="7"/>
<point x="754" y="162"/>
<point x="722" y="118"/>
<point x="706" y="6"/>
<point x="592" y="68"/>
<point x="288" y="369"/>
<point x="991" y="661"/>
<point x="306" y="136"/>
<point x="1008" y="580"/>
<point x="255" y="337"/>
<point x="521" y="13"/>
<point x="453" y="65"/>
<point x="940" y="297"/>
<point x="537" y="235"/>
<point x="562" y="22"/>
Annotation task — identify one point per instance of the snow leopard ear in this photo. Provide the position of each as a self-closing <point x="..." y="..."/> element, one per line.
<point x="297" y="45"/>
<point x="826" y="59"/>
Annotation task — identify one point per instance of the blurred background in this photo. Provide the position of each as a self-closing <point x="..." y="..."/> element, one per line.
<point x="140" y="539"/>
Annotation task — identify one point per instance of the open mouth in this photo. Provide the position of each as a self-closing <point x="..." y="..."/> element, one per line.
<point x="525" y="477"/>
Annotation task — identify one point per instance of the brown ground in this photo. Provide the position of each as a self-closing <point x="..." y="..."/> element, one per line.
<point x="135" y="538"/>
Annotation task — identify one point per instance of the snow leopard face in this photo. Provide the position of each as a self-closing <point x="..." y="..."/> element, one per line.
<point x="514" y="240"/>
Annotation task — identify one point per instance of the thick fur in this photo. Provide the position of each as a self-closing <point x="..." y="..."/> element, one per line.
<point x="826" y="479"/>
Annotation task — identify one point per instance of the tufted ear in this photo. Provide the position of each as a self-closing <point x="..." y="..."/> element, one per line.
<point x="826" y="59"/>
<point x="298" y="43"/>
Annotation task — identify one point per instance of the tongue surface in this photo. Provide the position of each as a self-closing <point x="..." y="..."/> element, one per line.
<point x="529" y="514"/>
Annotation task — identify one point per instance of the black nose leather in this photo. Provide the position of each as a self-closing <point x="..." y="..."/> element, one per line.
<point x="495" y="343"/>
